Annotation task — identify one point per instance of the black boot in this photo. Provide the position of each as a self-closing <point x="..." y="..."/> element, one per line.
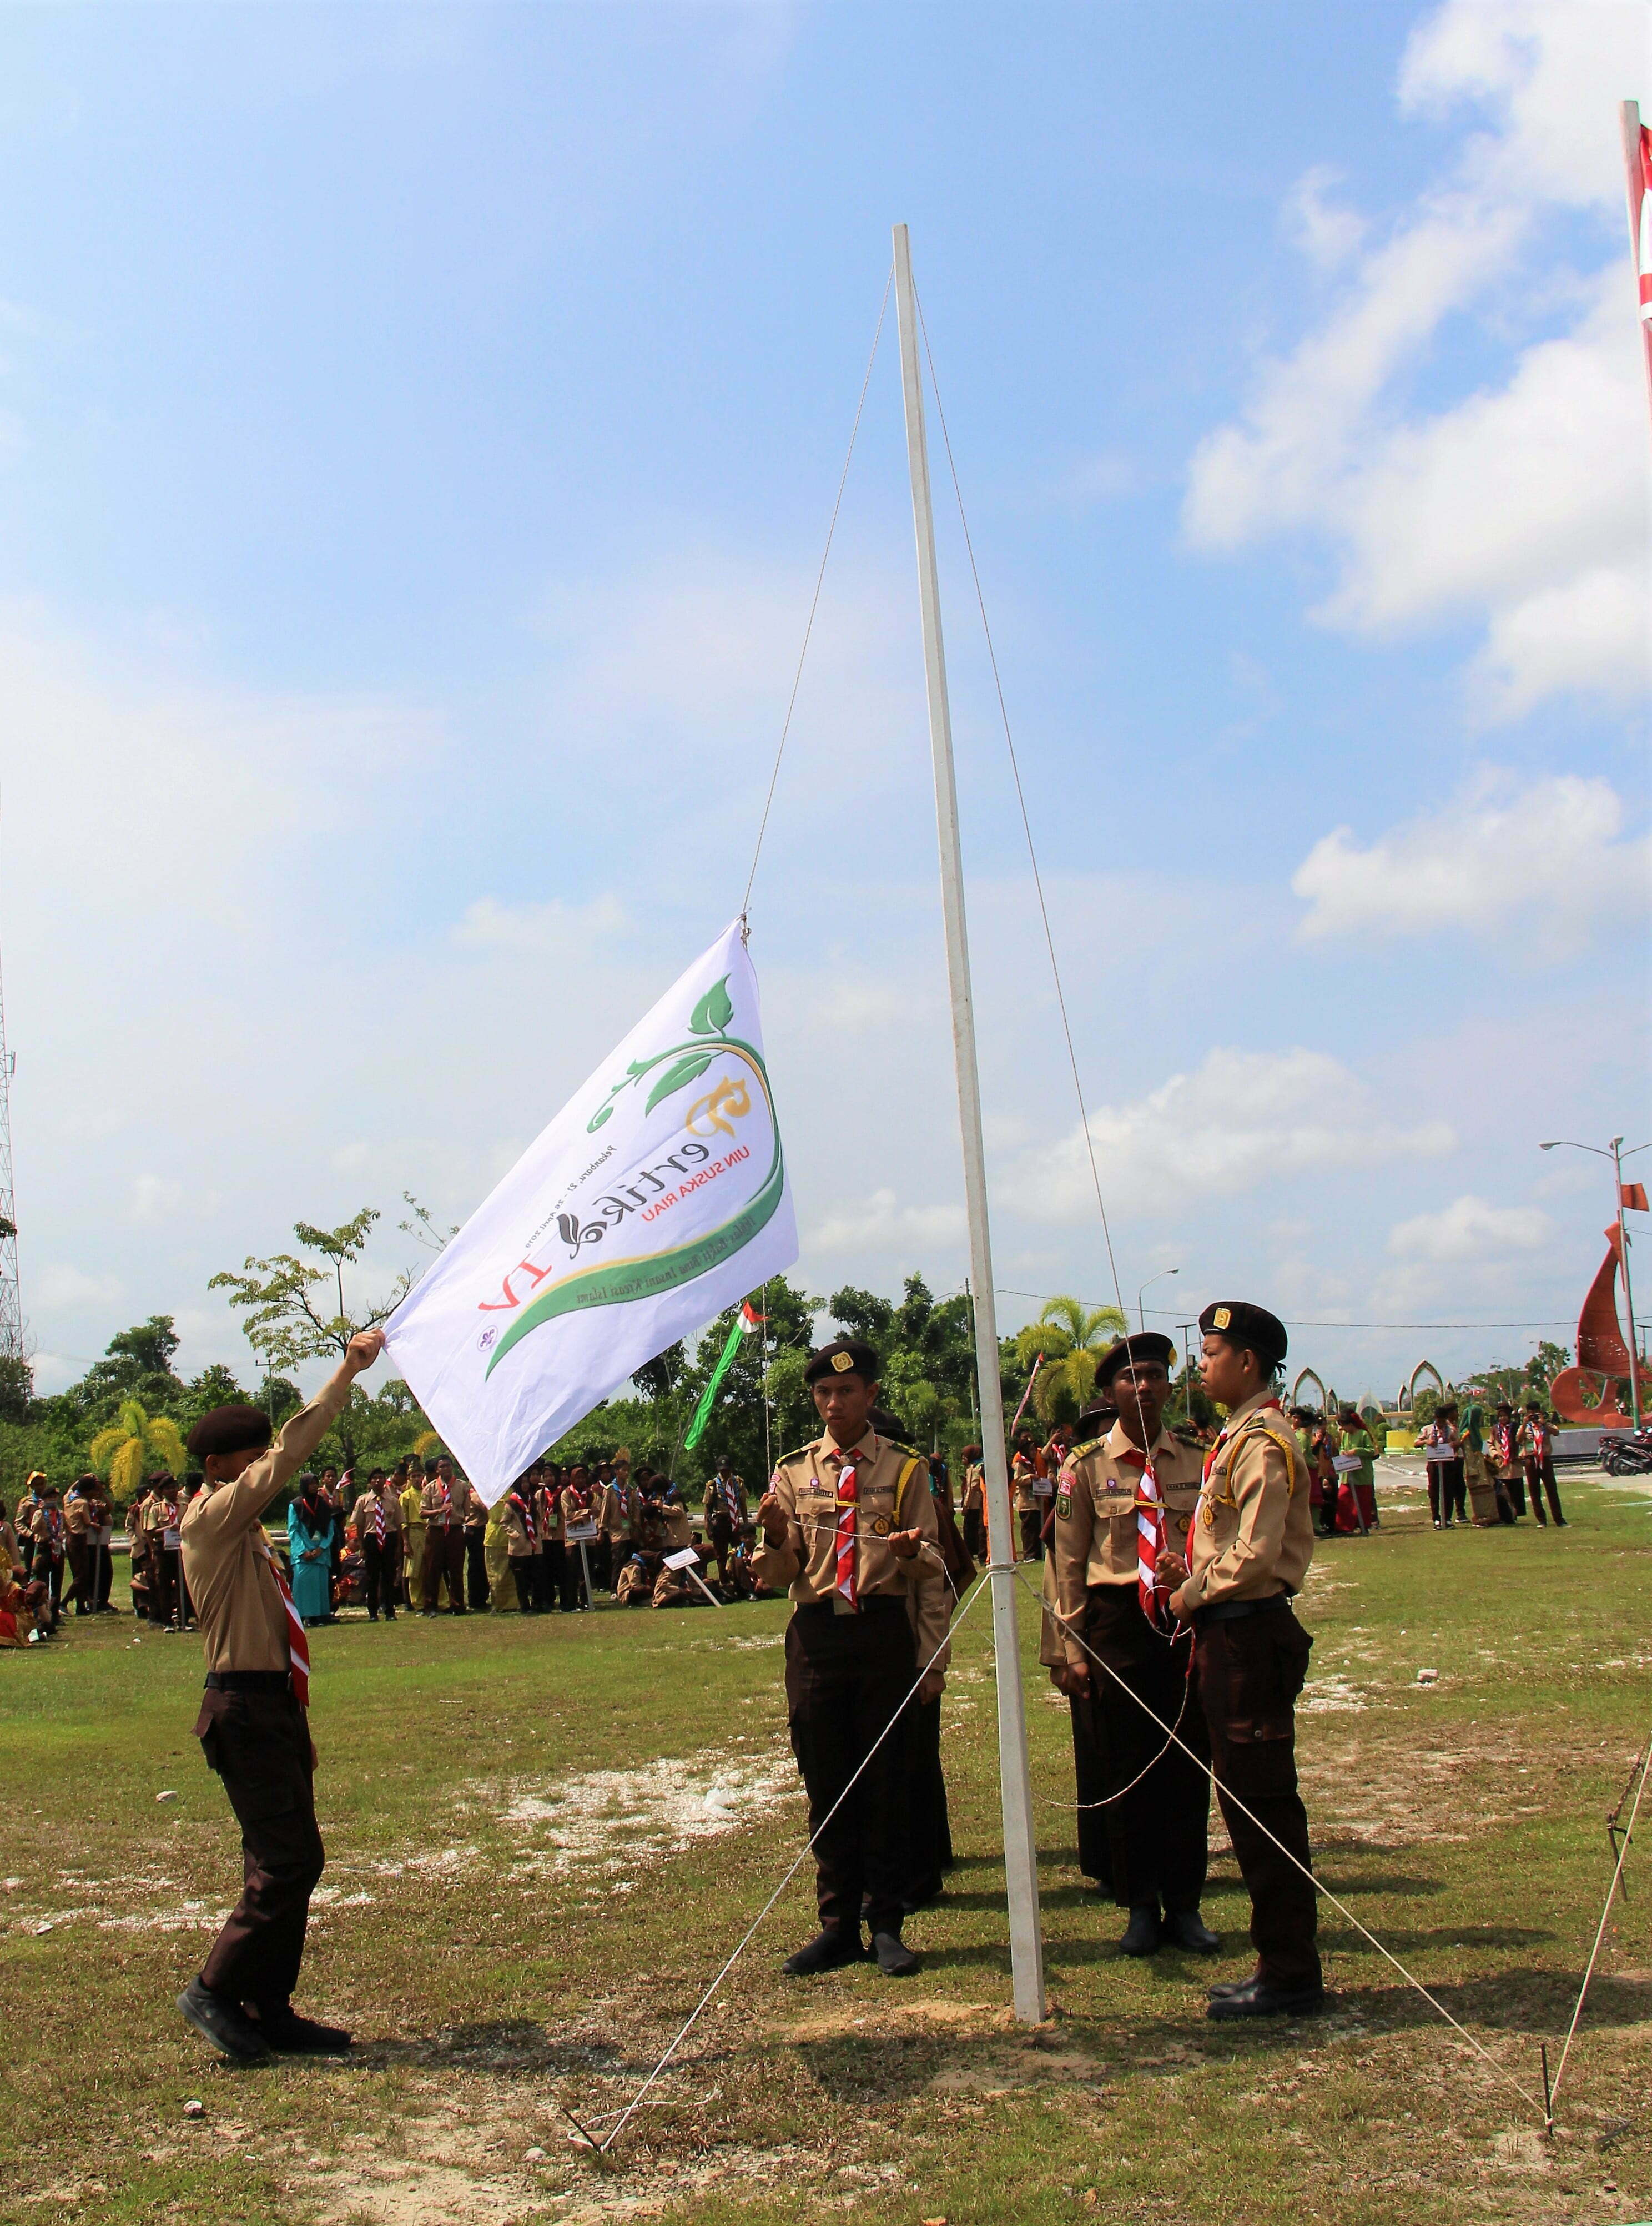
<point x="225" y="2024"/>
<point x="292" y="2035"/>
<point x="1258" y="1999"/>
<point x="894" y="1958"/>
<point x="1141" y="1934"/>
<point x="831" y="1948"/>
<point x="1184" y="1927"/>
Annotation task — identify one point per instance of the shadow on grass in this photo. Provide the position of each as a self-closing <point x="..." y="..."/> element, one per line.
<point x="1533" y="2002"/>
<point x="1335" y="1941"/>
<point x="512" y="2044"/>
<point x="884" y="2070"/>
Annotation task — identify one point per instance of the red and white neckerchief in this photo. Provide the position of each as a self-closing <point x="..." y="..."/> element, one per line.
<point x="298" y="1654"/>
<point x="526" y="1513"/>
<point x="379" y="1519"/>
<point x="1150" y="1536"/>
<point x="849" y="1495"/>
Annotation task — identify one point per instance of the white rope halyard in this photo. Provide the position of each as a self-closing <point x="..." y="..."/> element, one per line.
<point x="1317" y="1885"/>
<point x="1600" y="1934"/>
<point x="601" y="2147"/>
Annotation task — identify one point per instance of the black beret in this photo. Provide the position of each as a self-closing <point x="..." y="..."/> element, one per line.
<point x="844" y="1356"/>
<point x="1252" y="1329"/>
<point x="1144" y="1345"/>
<point x="1094" y="1420"/>
<point x="887" y="1425"/>
<point x="230" y="1430"/>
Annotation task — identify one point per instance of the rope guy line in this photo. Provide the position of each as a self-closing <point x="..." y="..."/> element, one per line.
<point x="1600" y="1934"/>
<point x="1026" y="822"/>
<point x="971" y="1597"/>
<point x="820" y="578"/>
<point x="1317" y="1885"/>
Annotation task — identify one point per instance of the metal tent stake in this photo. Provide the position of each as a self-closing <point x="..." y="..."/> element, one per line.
<point x="1021" y="1851"/>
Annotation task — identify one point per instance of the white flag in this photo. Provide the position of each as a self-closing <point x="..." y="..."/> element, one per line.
<point x="655" y="1197"/>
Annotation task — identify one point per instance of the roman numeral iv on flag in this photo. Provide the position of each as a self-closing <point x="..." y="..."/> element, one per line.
<point x="655" y="1197"/>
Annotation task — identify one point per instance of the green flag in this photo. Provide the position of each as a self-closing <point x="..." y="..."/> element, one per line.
<point x="746" y="1325"/>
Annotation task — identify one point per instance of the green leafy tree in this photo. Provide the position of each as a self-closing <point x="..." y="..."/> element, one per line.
<point x="1071" y="1338"/>
<point x="17" y="1388"/>
<point x="136" y="1365"/>
<point x="295" y="1310"/>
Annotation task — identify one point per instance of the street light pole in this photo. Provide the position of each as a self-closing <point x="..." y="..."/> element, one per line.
<point x="1617" y="1154"/>
<point x="1187" y="1330"/>
<point x="1142" y="1316"/>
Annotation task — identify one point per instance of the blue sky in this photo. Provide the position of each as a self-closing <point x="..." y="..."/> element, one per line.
<point x="418" y="432"/>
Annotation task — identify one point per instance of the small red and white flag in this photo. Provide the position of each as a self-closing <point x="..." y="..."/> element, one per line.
<point x="750" y="1320"/>
<point x="1637" y="167"/>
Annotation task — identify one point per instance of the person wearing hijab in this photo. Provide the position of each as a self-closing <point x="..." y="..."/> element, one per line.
<point x="310" y="1522"/>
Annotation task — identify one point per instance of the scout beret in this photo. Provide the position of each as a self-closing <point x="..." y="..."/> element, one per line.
<point x="887" y="1425"/>
<point x="1145" y="1344"/>
<point x="844" y="1356"/>
<point x="1252" y="1329"/>
<point x="230" y="1430"/>
<point x="1094" y="1420"/>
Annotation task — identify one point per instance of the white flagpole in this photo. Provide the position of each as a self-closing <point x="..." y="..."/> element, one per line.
<point x="1020" y="1848"/>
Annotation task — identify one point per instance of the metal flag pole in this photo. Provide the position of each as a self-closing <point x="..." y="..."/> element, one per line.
<point x="1020" y="1849"/>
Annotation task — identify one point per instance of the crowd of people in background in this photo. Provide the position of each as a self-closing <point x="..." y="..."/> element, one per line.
<point x="417" y="1537"/>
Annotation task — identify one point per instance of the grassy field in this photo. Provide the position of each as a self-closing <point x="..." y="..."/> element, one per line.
<point x="543" y="1839"/>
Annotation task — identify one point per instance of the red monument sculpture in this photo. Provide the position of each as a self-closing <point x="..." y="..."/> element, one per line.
<point x="1603" y="1358"/>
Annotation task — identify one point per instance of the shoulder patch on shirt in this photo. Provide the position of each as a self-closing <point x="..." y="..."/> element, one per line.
<point x="1064" y="1502"/>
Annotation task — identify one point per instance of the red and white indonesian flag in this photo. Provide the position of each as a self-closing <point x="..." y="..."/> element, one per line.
<point x="1637" y="164"/>
<point x="656" y="1197"/>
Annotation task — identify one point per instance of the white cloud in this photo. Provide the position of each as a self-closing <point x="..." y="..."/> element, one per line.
<point x="1239" y="1121"/>
<point x="1471" y="1229"/>
<point x="1525" y="506"/>
<point x="154" y="1198"/>
<point x="1550" y="857"/>
<point x="1326" y="235"/>
<point x="59" y="1286"/>
<point x="880" y="1224"/>
<point x="554" y="928"/>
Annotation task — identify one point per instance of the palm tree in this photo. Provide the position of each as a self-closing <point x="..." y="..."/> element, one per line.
<point x="137" y="1442"/>
<point x="1073" y="1338"/>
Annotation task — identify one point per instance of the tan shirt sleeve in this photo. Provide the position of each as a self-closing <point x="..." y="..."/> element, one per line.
<point x="779" y="1567"/>
<point x="1075" y="1520"/>
<point x="929" y="1604"/>
<point x="1239" y="1555"/>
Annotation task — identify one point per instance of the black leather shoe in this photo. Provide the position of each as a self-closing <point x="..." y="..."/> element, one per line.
<point x="1186" y="1928"/>
<point x="894" y="1957"/>
<point x="1257" y="1999"/>
<point x="289" y="2034"/>
<point x="225" y="2024"/>
<point x="829" y="1951"/>
<point x="1141" y="1934"/>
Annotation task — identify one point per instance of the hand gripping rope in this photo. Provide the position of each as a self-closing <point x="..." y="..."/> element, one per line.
<point x="602" y="2146"/>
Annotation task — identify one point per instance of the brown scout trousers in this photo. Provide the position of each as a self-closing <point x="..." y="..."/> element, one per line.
<point x="1157" y="1833"/>
<point x="846" y="1677"/>
<point x="1247" y="1675"/>
<point x="444" y="1558"/>
<point x="258" y="1743"/>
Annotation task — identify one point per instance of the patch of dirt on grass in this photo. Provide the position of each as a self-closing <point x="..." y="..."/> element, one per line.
<point x="1331" y="1695"/>
<point x="627" y="1820"/>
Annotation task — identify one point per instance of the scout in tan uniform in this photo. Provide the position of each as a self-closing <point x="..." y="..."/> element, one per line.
<point x="843" y="1521"/>
<point x="254" y="1725"/>
<point x="377" y="1517"/>
<point x="79" y="1531"/>
<point x="444" y="1540"/>
<point x="1157" y="1798"/>
<point x="1250" y="1545"/>
<point x="521" y="1526"/>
